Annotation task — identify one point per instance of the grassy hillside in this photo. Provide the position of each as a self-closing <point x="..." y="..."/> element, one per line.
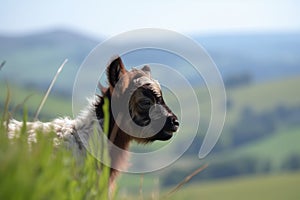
<point x="264" y="187"/>
<point x="276" y="187"/>
<point x="267" y="95"/>
<point x="261" y="98"/>
<point x="43" y="52"/>
<point x="276" y="149"/>
<point x="263" y="55"/>
<point x="268" y="153"/>
<point x="34" y="59"/>
<point x="55" y="105"/>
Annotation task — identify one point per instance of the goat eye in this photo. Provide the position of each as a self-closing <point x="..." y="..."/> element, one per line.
<point x="145" y="104"/>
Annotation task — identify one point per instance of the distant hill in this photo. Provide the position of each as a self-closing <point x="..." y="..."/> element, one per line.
<point x="32" y="60"/>
<point x="269" y="109"/>
<point x="263" y="55"/>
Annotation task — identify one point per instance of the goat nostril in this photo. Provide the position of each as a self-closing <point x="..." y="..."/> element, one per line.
<point x="175" y="122"/>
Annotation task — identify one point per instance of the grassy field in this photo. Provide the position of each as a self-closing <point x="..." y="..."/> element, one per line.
<point x="55" y="106"/>
<point x="42" y="170"/>
<point x="265" y="95"/>
<point x="276" y="187"/>
<point x="261" y="97"/>
<point x="274" y="149"/>
<point x="264" y="187"/>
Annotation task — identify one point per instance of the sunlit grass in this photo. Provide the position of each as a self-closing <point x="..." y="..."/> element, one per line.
<point x="55" y="106"/>
<point x="41" y="171"/>
<point x="276" y="187"/>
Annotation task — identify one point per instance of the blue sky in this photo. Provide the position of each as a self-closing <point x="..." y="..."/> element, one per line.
<point x="106" y="18"/>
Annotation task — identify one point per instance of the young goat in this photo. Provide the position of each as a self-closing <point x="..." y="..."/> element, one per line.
<point x="137" y="112"/>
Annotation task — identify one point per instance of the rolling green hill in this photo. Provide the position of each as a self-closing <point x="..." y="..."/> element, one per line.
<point x="55" y="106"/>
<point x="264" y="187"/>
<point x="268" y="154"/>
<point x="275" y="149"/>
<point x="267" y="109"/>
<point x="33" y="59"/>
<point x="276" y="187"/>
<point x="265" y="96"/>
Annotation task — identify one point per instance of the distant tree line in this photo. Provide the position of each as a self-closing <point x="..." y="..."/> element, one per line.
<point x="239" y="79"/>
<point x="235" y="167"/>
<point x="252" y="125"/>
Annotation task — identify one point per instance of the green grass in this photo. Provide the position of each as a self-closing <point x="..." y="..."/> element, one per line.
<point x="55" y="106"/>
<point x="263" y="97"/>
<point x="41" y="171"/>
<point x="267" y="95"/>
<point x="263" y="187"/>
<point x="276" y="187"/>
<point x="275" y="148"/>
<point x="260" y="97"/>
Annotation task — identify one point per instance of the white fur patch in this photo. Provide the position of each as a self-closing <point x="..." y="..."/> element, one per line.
<point x="72" y="133"/>
<point x="63" y="127"/>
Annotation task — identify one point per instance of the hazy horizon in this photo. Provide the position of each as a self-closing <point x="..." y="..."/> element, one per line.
<point x="105" y="19"/>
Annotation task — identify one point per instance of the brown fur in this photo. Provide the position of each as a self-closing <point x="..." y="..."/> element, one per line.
<point x="145" y="86"/>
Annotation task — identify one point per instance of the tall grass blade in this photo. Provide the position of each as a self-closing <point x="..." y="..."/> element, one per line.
<point x="2" y="64"/>
<point x="5" y="114"/>
<point x="49" y="90"/>
<point x="187" y="179"/>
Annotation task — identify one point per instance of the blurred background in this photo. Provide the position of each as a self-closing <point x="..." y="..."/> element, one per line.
<point x="255" y="45"/>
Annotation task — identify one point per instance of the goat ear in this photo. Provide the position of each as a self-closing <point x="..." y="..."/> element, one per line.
<point x="115" y="70"/>
<point x="147" y="70"/>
